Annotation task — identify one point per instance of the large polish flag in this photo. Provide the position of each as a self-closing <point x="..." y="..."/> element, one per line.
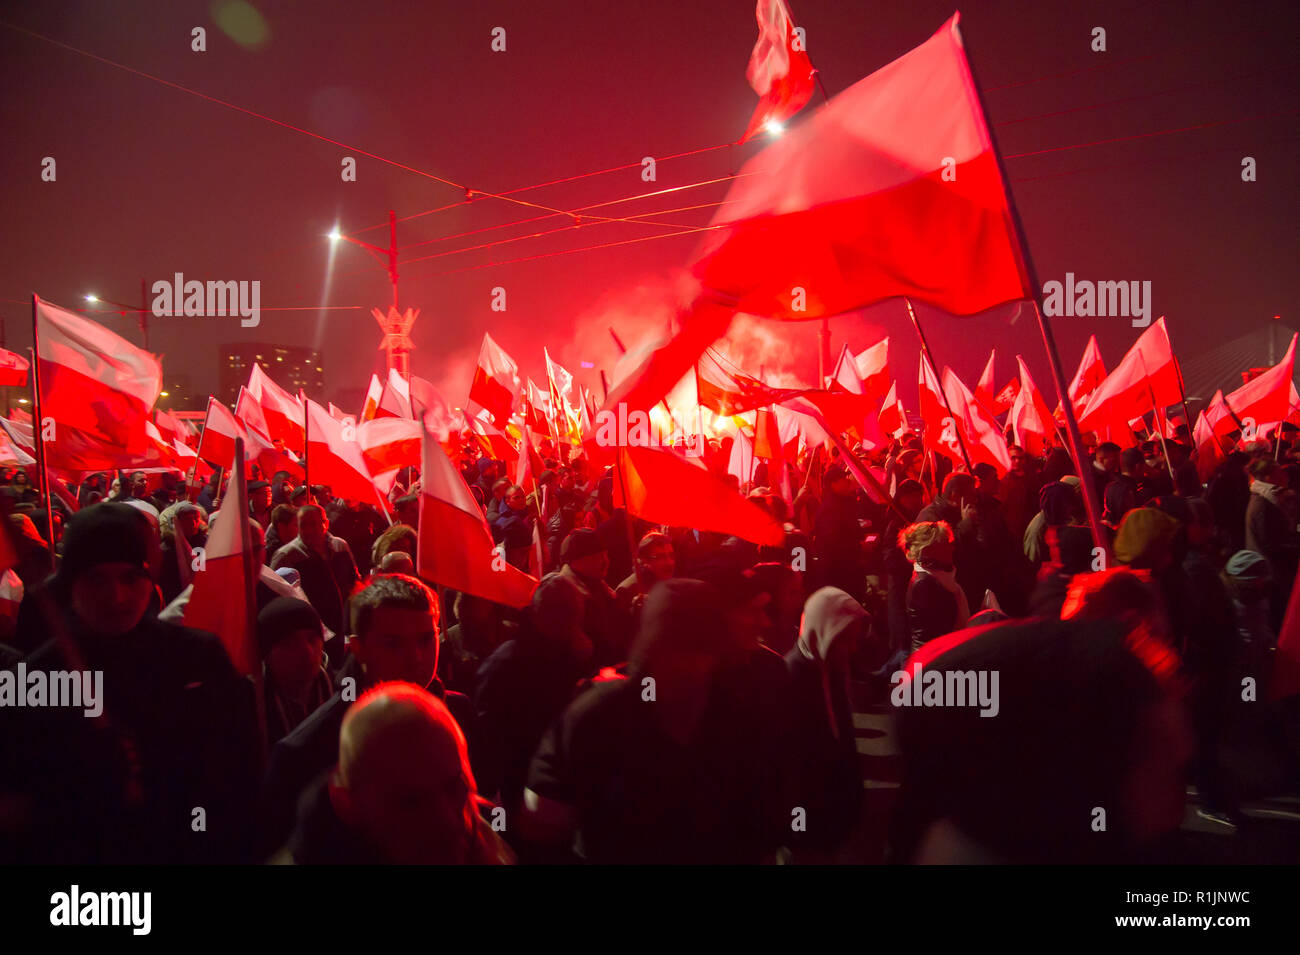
<point x="495" y="387"/>
<point x="94" y="383"/>
<point x="258" y="445"/>
<point x="284" y="416"/>
<point x="388" y="445"/>
<point x="13" y="368"/>
<point x="856" y="206"/>
<point x="455" y="545"/>
<point x="334" y="459"/>
<point x="1265" y="400"/>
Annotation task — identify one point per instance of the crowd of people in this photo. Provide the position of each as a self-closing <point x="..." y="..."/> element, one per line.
<point x="669" y="695"/>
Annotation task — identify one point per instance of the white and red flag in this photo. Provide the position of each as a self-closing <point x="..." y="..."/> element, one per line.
<point x="373" y="393"/>
<point x="455" y="544"/>
<point x="1146" y="378"/>
<point x="1209" y="449"/>
<point x="858" y="204"/>
<point x="496" y="382"/>
<point x="388" y="445"/>
<point x="1030" y="418"/>
<point x="1265" y="401"/>
<point x="13" y="368"/>
<point x="258" y="446"/>
<point x="892" y="418"/>
<point x="984" y="440"/>
<point x="395" y="401"/>
<point x="940" y="432"/>
<point x="1090" y="375"/>
<point x="97" y="387"/>
<point x="779" y="70"/>
<point x="985" y="389"/>
<point x="335" y="460"/>
<point x="284" y="415"/>
<point x="727" y="391"/>
<point x="873" y="369"/>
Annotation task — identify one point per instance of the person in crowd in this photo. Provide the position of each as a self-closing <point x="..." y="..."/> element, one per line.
<point x="838" y="539"/>
<point x="173" y="725"/>
<point x="393" y="636"/>
<point x="693" y="778"/>
<point x="284" y="528"/>
<point x="655" y="561"/>
<point x="936" y="605"/>
<point x="529" y="679"/>
<point x="514" y="527"/>
<point x="1271" y="531"/>
<point x="400" y="538"/>
<point x="784" y="608"/>
<point x="480" y="628"/>
<point x="1006" y="789"/>
<point x="403" y="792"/>
<point x="259" y="502"/>
<point x="1059" y="503"/>
<point x="982" y="546"/>
<point x="324" y="564"/>
<point x="586" y="564"/>
<point x="1105" y="466"/>
<point x="294" y="678"/>
<point x="182" y="529"/>
<point x="358" y="523"/>
<point x="821" y="711"/>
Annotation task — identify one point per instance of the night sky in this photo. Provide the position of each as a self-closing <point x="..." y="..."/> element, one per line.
<point x="152" y="180"/>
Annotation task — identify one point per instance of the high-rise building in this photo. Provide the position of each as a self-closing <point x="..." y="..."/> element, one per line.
<point x="289" y="366"/>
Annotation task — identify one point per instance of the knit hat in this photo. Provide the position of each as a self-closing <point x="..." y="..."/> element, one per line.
<point x="283" y="616"/>
<point x="109" y="533"/>
<point x="1143" y="535"/>
<point x="581" y="543"/>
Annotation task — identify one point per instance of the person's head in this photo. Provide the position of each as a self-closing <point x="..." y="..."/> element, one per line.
<point x="1108" y="455"/>
<point x="111" y="558"/>
<point x="556" y="614"/>
<point x="1017" y="455"/>
<point x="683" y="636"/>
<point x="840" y="482"/>
<point x="928" y="542"/>
<point x="259" y="496"/>
<point x="959" y="488"/>
<point x="832" y="625"/>
<point x="313" y="526"/>
<point x="910" y="497"/>
<point x="285" y="521"/>
<point x="516" y="499"/>
<point x="585" y="552"/>
<point x="20" y="477"/>
<point x="292" y="641"/>
<point x="655" y="558"/>
<point x="403" y="779"/>
<point x="1267" y="471"/>
<point x="1005" y="782"/>
<point x="394" y="623"/>
<point x="1145" y="539"/>
<point x="565" y="477"/>
<point x="500" y="489"/>
<point x="408" y="509"/>
<point x="911" y="462"/>
<point x="396" y="562"/>
<point x="398" y="538"/>
<point x="487" y="471"/>
<point x="986" y="477"/>
<point x="1059" y="501"/>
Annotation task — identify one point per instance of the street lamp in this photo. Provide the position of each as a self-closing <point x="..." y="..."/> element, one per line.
<point x="142" y="311"/>
<point x="396" y="325"/>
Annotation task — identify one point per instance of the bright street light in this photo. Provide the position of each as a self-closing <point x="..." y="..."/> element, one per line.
<point x="773" y="127"/>
<point x="92" y="298"/>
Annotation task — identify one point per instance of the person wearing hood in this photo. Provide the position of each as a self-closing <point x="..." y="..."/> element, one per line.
<point x="821" y="714"/>
<point x="657" y="768"/>
<point x="172" y="725"/>
<point x="1059" y="503"/>
<point x="936" y="605"/>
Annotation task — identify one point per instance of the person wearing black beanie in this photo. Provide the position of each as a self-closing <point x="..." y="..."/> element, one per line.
<point x="295" y="681"/>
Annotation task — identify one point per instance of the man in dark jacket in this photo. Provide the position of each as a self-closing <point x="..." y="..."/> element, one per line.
<point x="394" y="623"/>
<point x="324" y="563"/>
<point x="1271" y="531"/>
<point x="838" y="537"/>
<point x="156" y="763"/>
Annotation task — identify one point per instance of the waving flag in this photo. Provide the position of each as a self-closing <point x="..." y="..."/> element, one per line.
<point x="1030" y="418"/>
<point x="13" y="368"/>
<point x="1148" y="371"/>
<point x="780" y="70"/>
<point x="873" y="369"/>
<point x="335" y="460"/>
<point x="496" y="382"/>
<point x="940" y="432"/>
<point x="727" y="391"/>
<point x="395" y="400"/>
<point x="984" y="390"/>
<point x="373" y="394"/>
<point x="455" y="545"/>
<point x="284" y="415"/>
<point x="537" y="409"/>
<point x="1091" y="373"/>
<point x="892" y="418"/>
<point x="98" y="387"/>
<point x="984" y="439"/>
<point x="1265" y="400"/>
<point x="387" y="445"/>
<point x="258" y="446"/>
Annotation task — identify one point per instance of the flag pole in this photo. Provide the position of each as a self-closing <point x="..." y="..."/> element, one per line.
<point x="1155" y="414"/>
<point x="250" y="590"/>
<point x="38" y="433"/>
<point x="943" y="392"/>
<point x="306" y="433"/>
<point x="192" y="490"/>
<point x="1030" y="275"/>
<point x="1182" y="390"/>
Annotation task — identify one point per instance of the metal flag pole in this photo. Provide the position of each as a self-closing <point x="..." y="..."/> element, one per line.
<point x="38" y="434"/>
<point x="943" y="392"/>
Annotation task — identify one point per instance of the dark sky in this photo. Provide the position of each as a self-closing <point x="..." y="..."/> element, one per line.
<point x="152" y="180"/>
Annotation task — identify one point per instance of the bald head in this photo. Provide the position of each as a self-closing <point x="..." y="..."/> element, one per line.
<point x="403" y="778"/>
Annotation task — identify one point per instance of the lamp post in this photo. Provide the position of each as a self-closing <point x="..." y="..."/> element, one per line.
<point x="142" y="311"/>
<point x="395" y="325"/>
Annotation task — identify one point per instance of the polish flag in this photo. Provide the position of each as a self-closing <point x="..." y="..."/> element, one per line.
<point x="856" y="206"/>
<point x="940" y="434"/>
<point x="537" y="413"/>
<point x="395" y="401"/>
<point x="780" y="70"/>
<point x="258" y="446"/>
<point x="666" y="488"/>
<point x="1030" y="418"/>
<point x="455" y="544"/>
<point x="1209" y="449"/>
<point x="1219" y="416"/>
<point x="13" y="368"/>
<point x="98" y="387"/>
<point x="984" y="441"/>
<point x="1091" y="373"/>
<point x="373" y="394"/>
<point x="222" y="599"/>
<point x="171" y="427"/>
<point x="1265" y="400"/>
<point x="284" y="417"/>
<point x="220" y="430"/>
<point x="984" y="393"/>
<point x="493" y="442"/>
<point x="845" y="376"/>
<point x="1006" y="397"/>
<point x="496" y="382"/>
<point x="1149" y="371"/>
<point x="338" y="414"/>
<point x="873" y="369"/>
<point x="892" y="418"/>
<point x="388" y="445"/>
<point x="12" y="454"/>
<point x="727" y="391"/>
<point x="335" y="460"/>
